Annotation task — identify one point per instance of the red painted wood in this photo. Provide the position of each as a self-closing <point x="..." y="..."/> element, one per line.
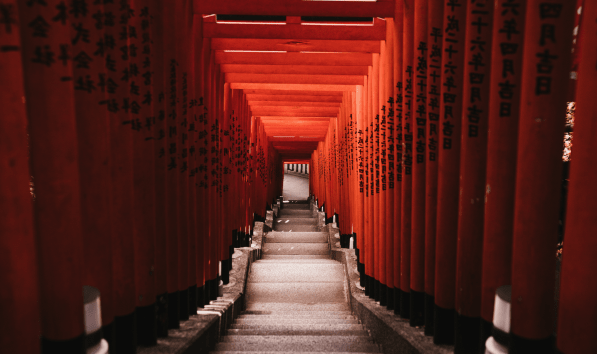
<point x="390" y="182"/>
<point x="408" y="127"/>
<point x="473" y="160"/>
<point x="434" y="80"/>
<point x="539" y="165"/>
<point x="93" y="129"/>
<point x="375" y="31"/>
<point x="297" y="45"/>
<point x="160" y="146"/>
<point x="418" y="125"/>
<point x="143" y="159"/>
<point x="576" y="306"/>
<point x="19" y="295"/>
<point x="295" y="79"/>
<point x="297" y="8"/>
<point x="501" y="156"/>
<point x="316" y="59"/>
<point x="449" y="158"/>
<point x="54" y="167"/>
<point x="398" y="85"/>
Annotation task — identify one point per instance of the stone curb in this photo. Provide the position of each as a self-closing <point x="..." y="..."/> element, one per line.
<point x="202" y="332"/>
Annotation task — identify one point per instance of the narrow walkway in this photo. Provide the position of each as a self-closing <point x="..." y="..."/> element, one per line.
<point x="295" y="187"/>
<point x="296" y="295"/>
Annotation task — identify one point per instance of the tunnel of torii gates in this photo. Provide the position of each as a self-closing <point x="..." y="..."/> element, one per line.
<point x="140" y="140"/>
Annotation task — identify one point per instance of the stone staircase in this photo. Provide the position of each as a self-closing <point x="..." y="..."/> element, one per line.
<point x="296" y="295"/>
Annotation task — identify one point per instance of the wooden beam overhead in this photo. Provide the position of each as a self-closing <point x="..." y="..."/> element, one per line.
<point x="293" y="31"/>
<point x="324" y="111"/>
<point x="295" y="114"/>
<point x="291" y="104"/>
<point x="298" y="87"/>
<point x="285" y="118"/>
<point x="294" y="69"/>
<point x="380" y="8"/>
<point x="294" y="98"/>
<point x="295" y="45"/>
<point x="295" y="79"/>
<point x="269" y="58"/>
<point x="292" y="93"/>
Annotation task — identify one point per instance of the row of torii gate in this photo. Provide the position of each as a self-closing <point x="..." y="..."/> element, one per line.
<point x="141" y="139"/>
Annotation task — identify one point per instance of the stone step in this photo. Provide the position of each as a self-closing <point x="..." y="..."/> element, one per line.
<point x="285" y="307"/>
<point x="303" y="326"/>
<point x="266" y="352"/>
<point x="291" y="313"/>
<point x="297" y="316"/>
<point x="296" y="237"/>
<point x="296" y="206"/>
<point x="294" y="321"/>
<point x="297" y="293"/>
<point x="296" y="212"/>
<point x="299" y="273"/>
<point x="296" y="227"/>
<point x="297" y="258"/>
<point x="270" y="248"/>
<point x="299" y="331"/>
<point x="298" y="343"/>
<point x="295" y="221"/>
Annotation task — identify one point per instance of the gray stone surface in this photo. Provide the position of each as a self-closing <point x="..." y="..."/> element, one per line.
<point x="296" y="227"/>
<point x="298" y="221"/>
<point x="298" y="293"/>
<point x="292" y="237"/>
<point x="298" y="343"/>
<point x="295" y="213"/>
<point x="295" y="248"/>
<point x="295" y="187"/>
<point x="285" y="306"/>
<point x="295" y="257"/>
<point x="295" y="272"/>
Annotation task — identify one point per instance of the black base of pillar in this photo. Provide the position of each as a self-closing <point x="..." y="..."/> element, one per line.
<point x="183" y="305"/>
<point x="75" y="345"/>
<point x="367" y="285"/>
<point x="200" y="296"/>
<point x="372" y="288"/>
<point x="443" y="329"/>
<point x="417" y="308"/>
<point x="484" y="334"/>
<point x="390" y="297"/>
<point x="109" y="333"/>
<point x="207" y="292"/>
<point x="234" y="239"/>
<point x="429" y="309"/>
<point x="162" y="315"/>
<point x="126" y="335"/>
<point x="363" y="276"/>
<point x="213" y="288"/>
<point x="466" y="336"/>
<point x="383" y="294"/>
<point x="173" y="310"/>
<point x="147" y="334"/>
<point x="404" y="304"/>
<point x="225" y="271"/>
<point x="377" y="290"/>
<point x="519" y="345"/>
<point x="192" y="300"/>
<point x="397" y="300"/>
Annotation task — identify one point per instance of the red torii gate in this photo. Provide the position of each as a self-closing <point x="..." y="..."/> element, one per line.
<point x="437" y="142"/>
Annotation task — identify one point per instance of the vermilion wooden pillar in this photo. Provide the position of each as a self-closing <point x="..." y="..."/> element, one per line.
<point x="398" y="112"/>
<point x="449" y="168"/>
<point x="47" y="70"/>
<point x="19" y="295"/>
<point x="183" y="27"/>
<point x="473" y="160"/>
<point x="159" y="135"/>
<point x="369" y="245"/>
<point x="141" y="122"/>
<point x="434" y="80"/>
<point x="545" y="68"/>
<point x="121" y="145"/>
<point x="200" y="156"/>
<point x="171" y="69"/>
<point x="502" y="139"/>
<point x="408" y="126"/>
<point x="361" y="189"/>
<point x="381" y="182"/>
<point x="204" y="165"/>
<point x="576" y="320"/>
<point x="93" y="128"/>
<point x="418" y="128"/>
<point x="376" y="171"/>
<point x="388" y="82"/>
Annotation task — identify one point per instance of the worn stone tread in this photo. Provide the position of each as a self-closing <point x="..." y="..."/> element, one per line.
<point x="285" y="306"/>
<point x="296" y="331"/>
<point x="293" y="313"/>
<point x="297" y="321"/>
<point x="300" y="293"/>
<point x="300" y="273"/>
<point x="271" y="248"/>
<point x="291" y="237"/>
<point x="296" y="227"/>
<point x="296" y="258"/>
